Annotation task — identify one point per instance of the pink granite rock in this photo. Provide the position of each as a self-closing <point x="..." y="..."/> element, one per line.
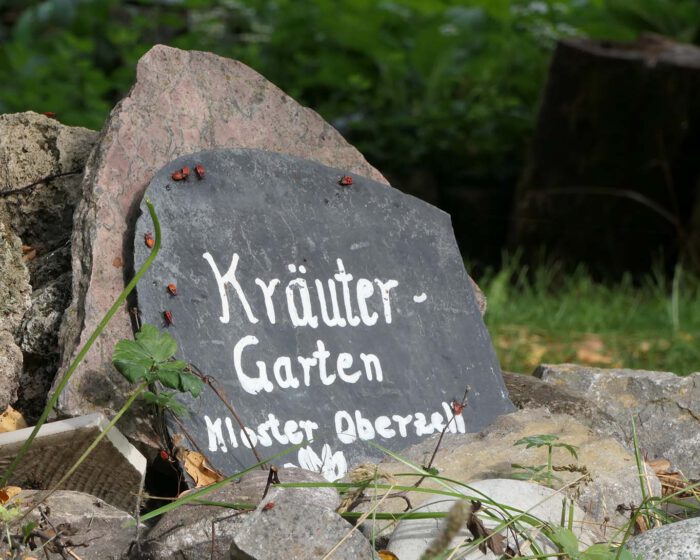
<point x="182" y="102"/>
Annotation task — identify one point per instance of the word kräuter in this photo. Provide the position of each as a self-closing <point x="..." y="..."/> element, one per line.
<point x="359" y="300"/>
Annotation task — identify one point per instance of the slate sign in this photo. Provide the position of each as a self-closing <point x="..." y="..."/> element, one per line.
<point x="331" y="314"/>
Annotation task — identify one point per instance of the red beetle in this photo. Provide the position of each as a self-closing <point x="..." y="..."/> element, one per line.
<point x="199" y="170"/>
<point x="172" y="289"/>
<point x="345" y="180"/>
<point x="168" y="316"/>
<point x="178" y="176"/>
<point x="148" y="239"/>
<point x="185" y="172"/>
<point x="457" y="407"/>
<point x="268" y="506"/>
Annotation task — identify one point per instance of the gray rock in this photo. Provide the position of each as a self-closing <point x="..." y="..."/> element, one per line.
<point x="413" y="536"/>
<point x="14" y="302"/>
<point x="191" y="531"/>
<point x="665" y="407"/>
<point x="92" y="528"/>
<point x="40" y="326"/>
<point x="168" y="113"/>
<point x="10" y="369"/>
<point x="612" y="475"/>
<point x="527" y="391"/>
<point x="677" y="541"/>
<point x="41" y="164"/>
<point x="285" y="525"/>
<point x="15" y="289"/>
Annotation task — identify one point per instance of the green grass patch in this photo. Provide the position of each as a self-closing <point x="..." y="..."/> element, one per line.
<point x="544" y="315"/>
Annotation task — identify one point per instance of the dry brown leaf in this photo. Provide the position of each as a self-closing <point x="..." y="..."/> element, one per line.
<point x="592" y="351"/>
<point x="535" y="354"/>
<point x="28" y="253"/>
<point x="199" y="468"/>
<point x="8" y="492"/>
<point x="660" y="466"/>
<point x="11" y="420"/>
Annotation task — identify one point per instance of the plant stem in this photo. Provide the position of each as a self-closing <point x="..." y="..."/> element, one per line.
<point x="550" y="471"/>
<point x="84" y="350"/>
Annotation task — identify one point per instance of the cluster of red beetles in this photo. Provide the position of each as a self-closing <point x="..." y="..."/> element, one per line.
<point x="184" y="173"/>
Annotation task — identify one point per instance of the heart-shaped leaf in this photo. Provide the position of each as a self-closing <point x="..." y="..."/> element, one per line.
<point x="131" y="361"/>
<point x="159" y="346"/>
<point x="191" y="383"/>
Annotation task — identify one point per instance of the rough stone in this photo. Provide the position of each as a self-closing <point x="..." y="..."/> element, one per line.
<point x="661" y="403"/>
<point x="168" y="113"/>
<point x="412" y="537"/>
<point x="41" y="165"/>
<point x="187" y="532"/>
<point x="527" y="391"/>
<point x="10" y="369"/>
<point x="489" y="454"/>
<point x="15" y="289"/>
<point x="302" y="531"/>
<point x="14" y="301"/>
<point x="39" y="330"/>
<point x="95" y="528"/>
<point x="676" y="541"/>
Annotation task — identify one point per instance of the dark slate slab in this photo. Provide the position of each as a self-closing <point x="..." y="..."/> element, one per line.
<point x="387" y="373"/>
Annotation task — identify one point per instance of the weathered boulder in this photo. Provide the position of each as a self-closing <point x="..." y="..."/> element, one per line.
<point x="527" y="391"/>
<point x="41" y="165"/>
<point x="14" y="302"/>
<point x="412" y="537"/>
<point x="661" y="403"/>
<point x="677" y="541"/>
<point x="40" y="174"/>
<point x="603" y="477"/>
<point x="168" y="113"/>
<point x="39" y="331"/>
<point x="10" y="368"/>
<point x="194" y="531"/>
<point x="88" y="527"/>
<point x="286" y="525"/>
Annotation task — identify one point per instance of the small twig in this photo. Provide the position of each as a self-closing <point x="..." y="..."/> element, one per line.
<point x="213" y="537"/>
<point x="210" y="381"/>
<point x="403" y="495"/>
<point x="272" y="478"/>
<point x="454" y="407"/>
<point x="43" y="180"/>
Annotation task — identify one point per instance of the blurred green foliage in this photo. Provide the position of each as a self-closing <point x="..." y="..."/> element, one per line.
<point x="415" y="84"/>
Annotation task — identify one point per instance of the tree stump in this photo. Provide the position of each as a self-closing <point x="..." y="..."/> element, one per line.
<point x="612" y="177"/>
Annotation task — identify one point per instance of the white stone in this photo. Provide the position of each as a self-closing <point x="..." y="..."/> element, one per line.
<point x="412" y="536"/>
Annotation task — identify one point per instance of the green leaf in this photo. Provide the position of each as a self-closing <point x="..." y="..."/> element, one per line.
<point x="565" y="539"/>
<point x="165" y="400"/>
<point x="541" y="440"/>
<point x="599" y="551"/>
<point x="136" y="359"/>
<point x="191" y="383"/>
<point x="131" y="361"/>
<point x="159" y="346"/>
<point x="570" y="448"/>
<point x="27" y="529"/>
<point x="169" y="374"/>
